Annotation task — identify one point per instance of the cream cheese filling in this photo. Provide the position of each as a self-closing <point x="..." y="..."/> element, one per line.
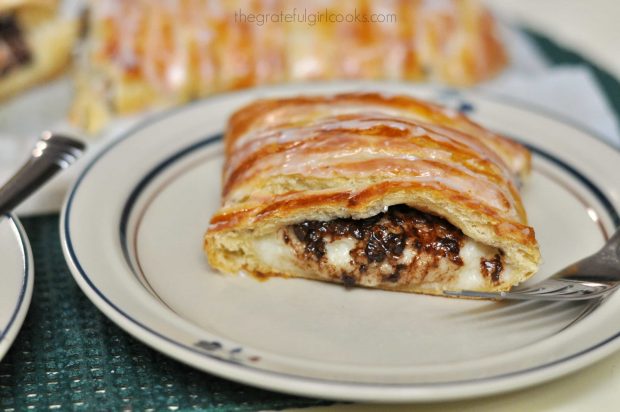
<point x="282" y="258"/>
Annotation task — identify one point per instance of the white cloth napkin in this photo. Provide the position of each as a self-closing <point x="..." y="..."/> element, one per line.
<point x="567" y="91"/>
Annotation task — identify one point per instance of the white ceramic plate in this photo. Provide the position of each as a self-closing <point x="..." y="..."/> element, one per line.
<point x="16" y="280"/>
<point x="132" y="230"/>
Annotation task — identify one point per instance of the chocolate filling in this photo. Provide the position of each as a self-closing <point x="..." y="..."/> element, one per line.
<point x="347" y="280"/>
<point x="491" y="268"/>
<point x="380" y="242"/>
<point x="13" y="48"/>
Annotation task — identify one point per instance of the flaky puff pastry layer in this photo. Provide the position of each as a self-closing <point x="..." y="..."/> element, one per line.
<point x="149" y="53"/>
<point x="352" y="156"/>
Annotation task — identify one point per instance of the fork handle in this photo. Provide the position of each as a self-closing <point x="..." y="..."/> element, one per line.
<point x="614" y="239"/>
<point x="51" y="153"/>
<point x="602" y="267"/>
<point x="613" y="245"/>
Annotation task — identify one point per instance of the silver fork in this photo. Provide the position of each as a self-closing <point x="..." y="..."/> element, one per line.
<point x="593" y="277"/>
<point x="51" y="153"/>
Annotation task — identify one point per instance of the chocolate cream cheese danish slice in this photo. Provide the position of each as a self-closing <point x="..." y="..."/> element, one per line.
<point x="379" y="191"/>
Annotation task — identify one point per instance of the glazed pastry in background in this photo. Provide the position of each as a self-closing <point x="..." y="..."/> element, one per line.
<point x="35" y="43"/>
<point x="380" y="191"/>
<point x="148" y="53"/>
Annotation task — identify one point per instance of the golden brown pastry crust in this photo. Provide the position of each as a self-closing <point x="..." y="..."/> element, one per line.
<point x="259" y="115"/>
<point x="146" y="53"/>
<point x="48" y="38"/>
<point x="353" y="155"/>
<point x="18" y="5"/>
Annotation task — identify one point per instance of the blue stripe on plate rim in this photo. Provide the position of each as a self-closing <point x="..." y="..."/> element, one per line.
<point x="166" y="113"/>
<point x="26" y="268"/>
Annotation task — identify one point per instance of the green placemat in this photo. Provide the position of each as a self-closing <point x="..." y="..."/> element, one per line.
<point x="69" y="356"/>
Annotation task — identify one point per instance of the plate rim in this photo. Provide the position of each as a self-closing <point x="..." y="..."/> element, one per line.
<point x="312" y="386"/>
<point x="16" y="320"/>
